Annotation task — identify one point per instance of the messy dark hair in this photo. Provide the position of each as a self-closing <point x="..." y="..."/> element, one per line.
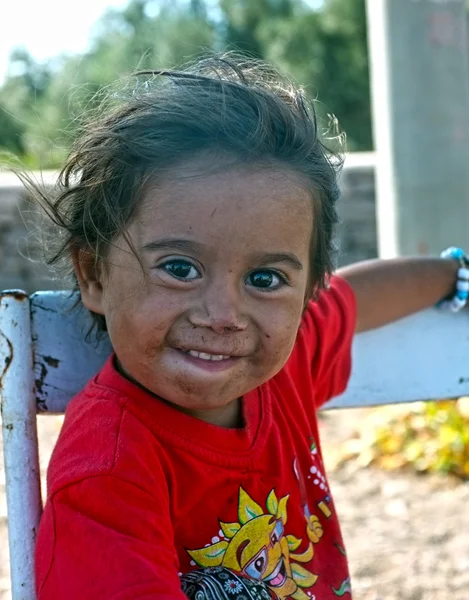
<point x="158" y="119"/>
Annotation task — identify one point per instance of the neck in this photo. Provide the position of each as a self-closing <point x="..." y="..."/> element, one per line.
<point x="229" y="417"/>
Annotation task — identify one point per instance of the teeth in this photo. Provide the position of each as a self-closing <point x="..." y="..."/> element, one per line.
<point x="205" y="356"/>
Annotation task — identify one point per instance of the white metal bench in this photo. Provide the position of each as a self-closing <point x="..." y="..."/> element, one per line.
<point x="45" y="360"/>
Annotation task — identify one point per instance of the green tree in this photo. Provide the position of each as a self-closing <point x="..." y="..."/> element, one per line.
<point x="11" y="133"/>
<point x="323" y="49"/>
<point x="21" y="100"/>
<point x="243" y="20"/>
<point x="344" y="79"/>
<point x="326" y="51"/>
<point x="51" y="107"/>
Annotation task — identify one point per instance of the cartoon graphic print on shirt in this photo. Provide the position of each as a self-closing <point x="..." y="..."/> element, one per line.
<point x="258" y="546"/>
<point x="313" y="525"/>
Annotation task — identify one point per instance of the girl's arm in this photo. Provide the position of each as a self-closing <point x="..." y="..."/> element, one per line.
<point x="387" y="290"/>
<point x="104" y="537"/>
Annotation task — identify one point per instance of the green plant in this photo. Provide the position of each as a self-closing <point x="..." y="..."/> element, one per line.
<point x="425" y="436"/>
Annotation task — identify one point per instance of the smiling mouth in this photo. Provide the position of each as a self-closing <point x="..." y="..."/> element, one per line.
<point x="278" y="576"/>
<point x="207" y="361"/>
<point x="207" y="356"/>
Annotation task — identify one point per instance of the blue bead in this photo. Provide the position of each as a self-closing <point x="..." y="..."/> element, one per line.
<point x="462" y="294"/>
<point x="454" y="253"/>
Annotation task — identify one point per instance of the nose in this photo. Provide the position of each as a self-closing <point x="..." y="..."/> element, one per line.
<point x="220" y="309"/>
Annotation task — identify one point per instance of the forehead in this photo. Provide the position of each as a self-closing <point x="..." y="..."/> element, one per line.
<point x="237" y="204"/>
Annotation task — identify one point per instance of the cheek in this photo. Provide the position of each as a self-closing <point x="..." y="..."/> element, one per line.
<point x="130" y="317"/>
<point x="280" y="335"/>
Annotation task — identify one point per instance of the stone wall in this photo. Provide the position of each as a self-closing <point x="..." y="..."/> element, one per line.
<point x="20" y="246"/>
<point x="21" y="264"/>
<point x="357" y="231"/>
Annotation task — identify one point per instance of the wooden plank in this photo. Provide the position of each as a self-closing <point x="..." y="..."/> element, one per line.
<point x="63" y="360"/>
<point x="422" y="357"/>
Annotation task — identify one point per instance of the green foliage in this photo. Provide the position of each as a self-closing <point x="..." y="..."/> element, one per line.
<point x="327" y="52"/>
<point x="425" y="436"/>
<point x="12" y="132"/>
<point x="243" y="21"/>
<point x="323" y="49"/>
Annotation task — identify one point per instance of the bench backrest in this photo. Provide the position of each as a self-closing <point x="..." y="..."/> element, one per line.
<point x="45" y="360"/>
<point x="418" y="358"/>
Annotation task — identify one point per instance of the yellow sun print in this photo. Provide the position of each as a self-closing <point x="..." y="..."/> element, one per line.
<point x="256" y="546"/>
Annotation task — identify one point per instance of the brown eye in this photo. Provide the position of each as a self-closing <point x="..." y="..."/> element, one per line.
<point x="268" y="280"/>
<point x="181" y="269"/>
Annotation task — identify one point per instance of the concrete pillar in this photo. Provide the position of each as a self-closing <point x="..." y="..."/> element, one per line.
<point x="420" y="95"/>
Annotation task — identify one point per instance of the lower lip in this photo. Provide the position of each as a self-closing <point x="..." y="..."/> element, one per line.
<point x="208" y="365"/>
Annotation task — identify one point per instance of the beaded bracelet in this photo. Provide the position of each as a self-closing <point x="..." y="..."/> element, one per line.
<point x="459" y="300"/>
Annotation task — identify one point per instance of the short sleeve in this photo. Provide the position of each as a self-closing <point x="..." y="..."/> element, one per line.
<point x="325" y="340"/>
<point x="106" y="538"/>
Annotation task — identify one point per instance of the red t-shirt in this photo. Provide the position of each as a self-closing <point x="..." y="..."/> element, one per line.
<point x="139" y="492"/>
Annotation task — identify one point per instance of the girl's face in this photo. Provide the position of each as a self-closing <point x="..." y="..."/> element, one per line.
<point x="210" y="307"/>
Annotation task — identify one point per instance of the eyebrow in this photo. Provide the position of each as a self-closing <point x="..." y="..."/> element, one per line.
<point x="262" y="259"/>
<point x="280" y="257"/>
<point x="174" y="244"/>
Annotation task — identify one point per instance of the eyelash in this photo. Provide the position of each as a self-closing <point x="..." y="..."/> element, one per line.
<point x="282" y="279"/>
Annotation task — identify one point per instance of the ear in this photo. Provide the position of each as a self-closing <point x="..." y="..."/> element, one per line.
<point x="87" y="272"/>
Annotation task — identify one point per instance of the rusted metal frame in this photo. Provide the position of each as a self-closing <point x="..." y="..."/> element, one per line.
<point x="20" y="443"/>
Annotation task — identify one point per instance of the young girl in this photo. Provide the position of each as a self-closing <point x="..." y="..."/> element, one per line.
<point x="198" y="216"/>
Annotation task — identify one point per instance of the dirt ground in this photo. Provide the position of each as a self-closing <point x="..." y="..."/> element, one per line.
<point x="407" y="537"/>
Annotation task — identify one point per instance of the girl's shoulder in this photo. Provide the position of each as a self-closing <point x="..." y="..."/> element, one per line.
<point x="100" y="436"/>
